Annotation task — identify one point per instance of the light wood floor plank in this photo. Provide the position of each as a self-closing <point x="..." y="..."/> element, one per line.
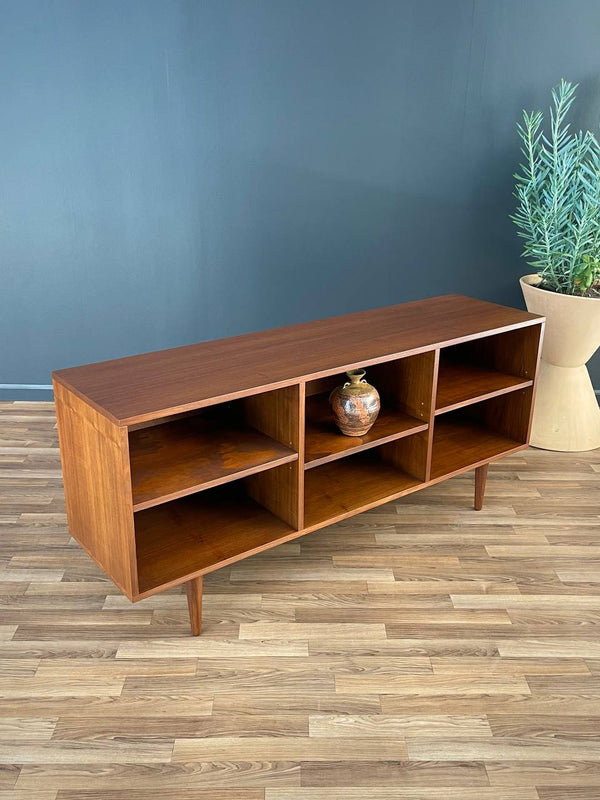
<point x="428" y="685"/>
<point x="166" y="794"/>
<point x="502" y="748"/>
<point x="296" y="748"/>
<point x="394" y="773"/>
<point x="549" y="648"/>
<point x="403" y="793"/>
<point x="386" y="726"/>
<point x="555" y="772"/>
<point x="159" y="777"/>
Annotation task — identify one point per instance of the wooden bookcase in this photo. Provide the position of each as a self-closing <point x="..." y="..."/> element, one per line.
<point x="179" y="462"/>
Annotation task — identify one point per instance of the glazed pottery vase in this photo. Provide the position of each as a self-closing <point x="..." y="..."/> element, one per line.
<point x="566" y="415"/>
<point x="355" y="405"/>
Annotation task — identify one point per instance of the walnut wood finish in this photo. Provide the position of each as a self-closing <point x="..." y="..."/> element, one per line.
<point x="510" y="414"/>
<point x="279" y="491"/>
<point x="202" y="532"/>
<point x="420" y="650"/>
<point x="350" y="485"/>
<point x="480" y="481"/>
<point x="155" y="385"/>
<point x="179" y="458"/>
<point x="194" y="599"/>
<point x="460" y="441"/>
<point x="323" y="440"/>
<point x="96" y="474"/>
<point x="182" y="462"/>
<point x="280" y="414"/>
<point x="277" y="414"/>
<point x="513" y="352"/>
<point x="409" y="455"/>
<point x="408" y="383"/>
<point x="461" y="384"/>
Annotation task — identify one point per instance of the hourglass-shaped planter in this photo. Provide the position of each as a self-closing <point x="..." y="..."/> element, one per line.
<point x="566" y="415"/>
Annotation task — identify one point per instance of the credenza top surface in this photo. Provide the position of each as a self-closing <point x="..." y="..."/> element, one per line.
<point x="144" y="387"/>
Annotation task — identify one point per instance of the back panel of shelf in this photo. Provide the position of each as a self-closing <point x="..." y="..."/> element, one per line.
<point x="348" y="485"/>
<point x="214" y="445"/>
<point x="210" y="529"/>
<point x="480" y="432"/>
<point x="405" y="386"/>
<point x="220" y="483"/>
<point x="486" y="367"/>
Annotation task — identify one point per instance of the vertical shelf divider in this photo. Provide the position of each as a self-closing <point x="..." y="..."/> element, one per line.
<point x="277" y="414"/>
<point x="431" y="418"/>
<point x="301" y="451"/>
<point x="412" y="382"/>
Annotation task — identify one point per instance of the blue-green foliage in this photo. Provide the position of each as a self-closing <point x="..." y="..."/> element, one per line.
<point x="558" y="189"/>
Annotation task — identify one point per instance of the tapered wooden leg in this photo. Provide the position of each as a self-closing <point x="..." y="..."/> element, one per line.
<point x="194" y="598"/>
<point x="480" y="479"/>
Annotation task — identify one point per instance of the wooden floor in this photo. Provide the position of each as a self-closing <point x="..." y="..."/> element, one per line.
<point x="419" y="651"/>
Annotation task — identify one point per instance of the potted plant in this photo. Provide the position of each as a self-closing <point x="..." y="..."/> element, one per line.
<point x="558" y="217"/>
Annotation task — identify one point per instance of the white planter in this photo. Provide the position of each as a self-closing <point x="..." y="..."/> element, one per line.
<point x="566" y="415"/>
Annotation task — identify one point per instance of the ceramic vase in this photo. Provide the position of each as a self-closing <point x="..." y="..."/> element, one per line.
<point x="355" y="405"/>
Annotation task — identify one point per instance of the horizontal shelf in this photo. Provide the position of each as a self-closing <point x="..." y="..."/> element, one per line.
<point x="461" y="384"/>
<point x="178" y="458"/>
<point x="196" y="533"/>
<point x="459" y="442"/>
<point x="325" y="442"/>
<point x="350" y="485"/>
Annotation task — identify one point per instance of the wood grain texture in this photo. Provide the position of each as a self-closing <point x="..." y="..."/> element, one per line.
<point x="179" y="458"/>
<point x="278" y="490"/>
<point x="512" y="352"/>
<point x="462" y="383"/>
<point x="222" y="480"/>
<point x="481" y="474"/>
<point x="407" y="383"/>
<point x="95" y="466"/>
<point x="277" y="414"/>
<point x="381" y="658"/>
<point x="193" y="590"/>
<point x="149" y="386"/>
<point x="323" y="440"/>
<point x="460" y="441"/>
<point x="194" y="534"/>
<point x="343" y="487"/>
<point x="509" y="414"/>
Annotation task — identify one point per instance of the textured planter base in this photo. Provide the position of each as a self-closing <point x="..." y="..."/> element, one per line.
<point x="567" y="415"/>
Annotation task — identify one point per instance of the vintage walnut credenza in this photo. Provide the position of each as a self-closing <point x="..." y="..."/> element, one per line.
<point x="179" y="462"/>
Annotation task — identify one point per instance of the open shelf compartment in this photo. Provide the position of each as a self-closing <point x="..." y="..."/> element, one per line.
<point x="210" y="447"/>
<point x="467" y="437"/>
<point x="215" y="527"/>
<point x="349" y="485"/>
<point x="405" y="387"/>
<point x="487" y="367"/>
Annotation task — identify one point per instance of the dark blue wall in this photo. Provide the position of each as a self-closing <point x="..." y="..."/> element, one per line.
<point x="175" y="171"/>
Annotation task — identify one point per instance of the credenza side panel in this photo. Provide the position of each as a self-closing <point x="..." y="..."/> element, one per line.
<point x="97" y="482"/>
